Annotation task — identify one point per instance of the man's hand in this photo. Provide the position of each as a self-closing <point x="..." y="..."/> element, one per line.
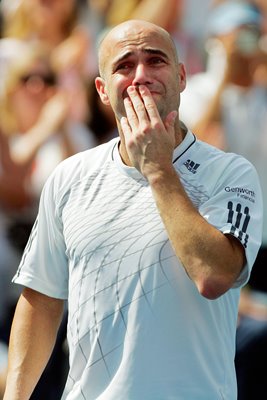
<point x="149" y="141"/>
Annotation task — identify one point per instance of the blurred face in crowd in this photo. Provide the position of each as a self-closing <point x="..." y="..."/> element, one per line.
<point x="245" y="57"/>
<point x="139" y="53"/>
<point x="29" y="95"/>
<point x="243" y="40"/>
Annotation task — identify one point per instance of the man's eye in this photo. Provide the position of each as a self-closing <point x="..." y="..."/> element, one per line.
<point x="123" y="67"/>
<point x="156" y="60"/>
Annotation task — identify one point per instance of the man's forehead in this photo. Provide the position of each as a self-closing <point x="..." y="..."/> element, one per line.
<point x="151" y="36"/>
<point x="132" y="37"/>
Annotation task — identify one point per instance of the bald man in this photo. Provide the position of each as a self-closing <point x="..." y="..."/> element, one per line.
<point x="149" y="238"/>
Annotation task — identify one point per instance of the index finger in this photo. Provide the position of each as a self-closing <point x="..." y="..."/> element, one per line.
<point x="149" y="103"/>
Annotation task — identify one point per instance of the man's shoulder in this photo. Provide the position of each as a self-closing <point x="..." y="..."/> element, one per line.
<point x="81" y="165"/>
<point x="213" y="166"/>
<point x="87" y="159"/>
<point x="213" y="155"/>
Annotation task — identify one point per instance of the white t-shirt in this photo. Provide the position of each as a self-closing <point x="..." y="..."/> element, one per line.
<point x="138" y="328"/>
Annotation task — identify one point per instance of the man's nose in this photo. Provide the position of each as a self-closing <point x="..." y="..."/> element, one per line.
<point x="141" y="76"/>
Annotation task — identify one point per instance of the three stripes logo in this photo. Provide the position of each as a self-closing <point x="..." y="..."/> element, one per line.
<point x="191" y="166"/>
<point x="239" y="219"/>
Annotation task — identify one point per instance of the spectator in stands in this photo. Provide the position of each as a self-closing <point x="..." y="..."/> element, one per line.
<point x="233" y="115"/>
<point x="57" y="25"/>
<point x="36" y="133"/>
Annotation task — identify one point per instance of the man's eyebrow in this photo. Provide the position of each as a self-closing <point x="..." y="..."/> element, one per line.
<point x="156" y="52"/>
<point x="123" y="57"/>
<point x="128" y="54"/>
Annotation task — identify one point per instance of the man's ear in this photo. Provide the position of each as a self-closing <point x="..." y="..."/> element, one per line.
<point x="182" y="77"/>
<point x="101" y="89"/>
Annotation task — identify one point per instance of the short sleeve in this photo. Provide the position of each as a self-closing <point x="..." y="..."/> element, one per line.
<point x="235" y="207"/>
<point x="44" y="264"/>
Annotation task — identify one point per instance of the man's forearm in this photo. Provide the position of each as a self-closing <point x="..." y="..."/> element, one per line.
<point x="32" y="339"/>
<point x="195" y="241"/>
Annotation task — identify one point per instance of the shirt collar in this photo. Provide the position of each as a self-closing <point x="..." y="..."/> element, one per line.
<point x="179" y="157"/>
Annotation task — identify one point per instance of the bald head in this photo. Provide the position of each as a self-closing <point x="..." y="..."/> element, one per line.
<point x="132" y="31"/>
<point x="138" y="53"/>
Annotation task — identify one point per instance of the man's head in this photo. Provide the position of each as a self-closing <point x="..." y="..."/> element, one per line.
<point x="138" y="52"/>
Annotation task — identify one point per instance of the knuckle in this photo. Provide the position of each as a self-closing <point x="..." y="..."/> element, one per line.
<point x="131" y="143"/>
<point x="146" y="128"/>
<point x="157" y="125"/>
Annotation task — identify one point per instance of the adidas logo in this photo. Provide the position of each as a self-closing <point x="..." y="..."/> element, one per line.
<point x="191" y="166"/>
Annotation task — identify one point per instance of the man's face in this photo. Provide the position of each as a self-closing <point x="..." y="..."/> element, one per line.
<point x="140" y="54"/>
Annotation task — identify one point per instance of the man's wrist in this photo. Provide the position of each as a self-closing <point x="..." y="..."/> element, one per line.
<point x="163" y="177"/>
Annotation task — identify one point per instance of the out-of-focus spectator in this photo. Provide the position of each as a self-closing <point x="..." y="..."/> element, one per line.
<point x="57" y="25"/>
<point x="188" y="45"/>
<point x="233" y="95"/>
<point x="193" y="25"/>
<point x="230" y="26"/>
<point x="33" y="103"/>
<point x="36" y="133"/>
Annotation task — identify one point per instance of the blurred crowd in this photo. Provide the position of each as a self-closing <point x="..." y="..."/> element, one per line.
<point x="49" y="110"/>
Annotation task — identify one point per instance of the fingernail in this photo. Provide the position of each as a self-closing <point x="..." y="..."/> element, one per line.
<point x="131" y="89"/>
